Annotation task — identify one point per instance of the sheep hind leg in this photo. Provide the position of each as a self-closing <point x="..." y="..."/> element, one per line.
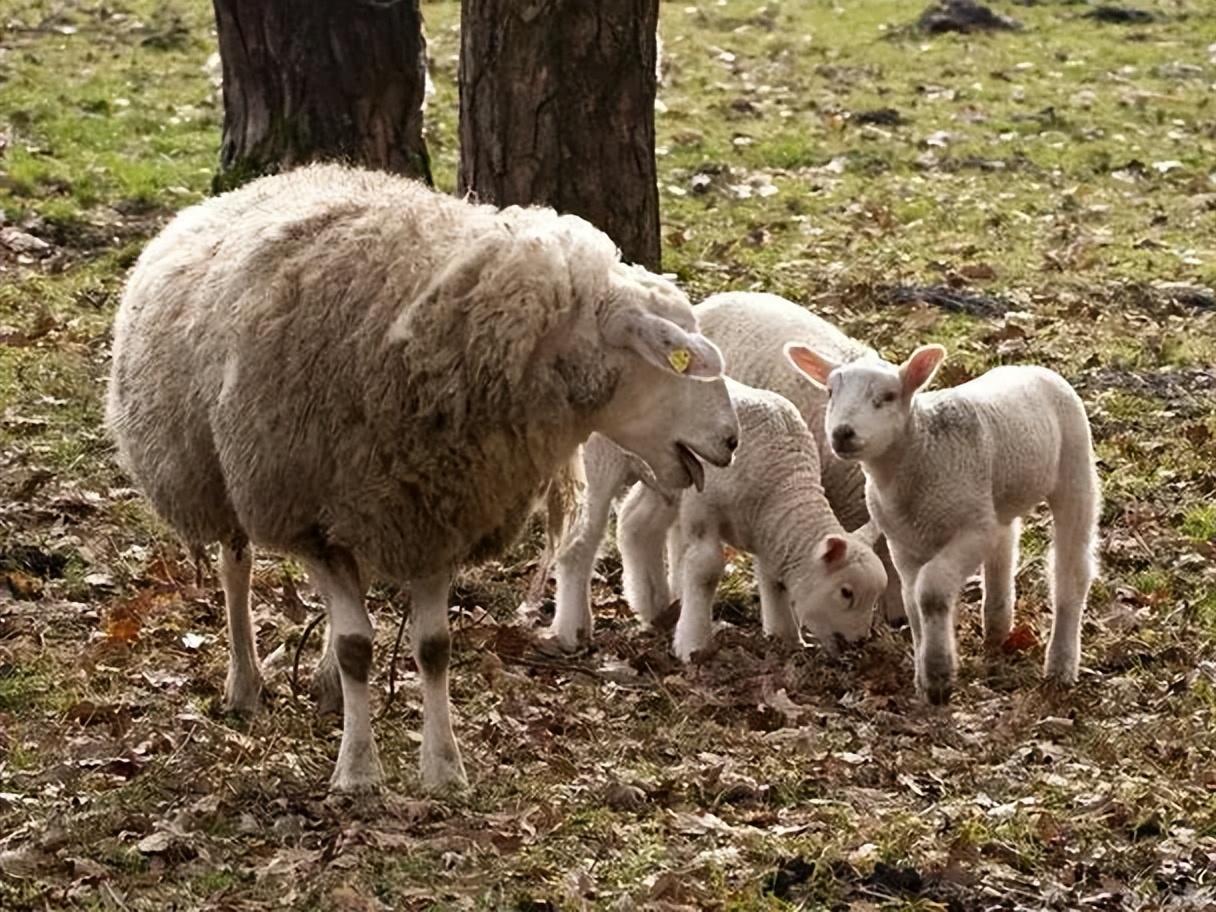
<point x="1073" y="567"/>
<point x="243" y="687"/>
<point x="326" y="684"/>
<point x="336" y="576"/>
<point x="1000" y="566"/>
<point x="440" y="763"/>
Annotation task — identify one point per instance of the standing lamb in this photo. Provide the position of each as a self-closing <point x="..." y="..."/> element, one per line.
<point x="751" y="329"/>
<point x="769" y="503"/>
<point x="382" y="381"/>
<point x="950" y="473"/>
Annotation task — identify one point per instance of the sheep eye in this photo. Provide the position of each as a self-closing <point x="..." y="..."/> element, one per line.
<point x="885" y="399"/>
<point x="846" y="593"/>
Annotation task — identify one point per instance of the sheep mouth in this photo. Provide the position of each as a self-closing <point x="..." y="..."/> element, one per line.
<point x="692" y="465"/>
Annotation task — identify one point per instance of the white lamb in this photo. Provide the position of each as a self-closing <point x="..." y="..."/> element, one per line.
<point x="751" y="329"/>
<point x="769" y="503"/>
<point x="950" y="473"/>
<point x="382" y="381"/>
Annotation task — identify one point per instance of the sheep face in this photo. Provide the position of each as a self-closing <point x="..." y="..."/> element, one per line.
<point x="870" y="400"/>
<point x="834" y="595"/>
<point x="671" y="407"/>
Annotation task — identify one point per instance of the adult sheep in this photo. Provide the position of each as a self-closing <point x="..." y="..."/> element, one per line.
<point x="382" y="382"/>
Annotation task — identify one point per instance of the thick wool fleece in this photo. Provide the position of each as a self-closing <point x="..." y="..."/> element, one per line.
<point x="334" y="357"/>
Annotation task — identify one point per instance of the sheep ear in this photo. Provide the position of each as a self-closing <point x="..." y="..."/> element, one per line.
<point x="920" y="367"/>
<point x="833" y="549"/>
<point x="669" y="347"/>
<point x="869" y="533"/>
<point x="812" y="365"/>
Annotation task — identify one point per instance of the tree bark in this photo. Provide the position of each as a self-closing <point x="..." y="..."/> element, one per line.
<point x="313" y="80"/>
<point x="557" y="107"/>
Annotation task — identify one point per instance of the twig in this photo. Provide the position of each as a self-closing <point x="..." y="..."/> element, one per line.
<point x="392" y="662"/>
<point x="295" y="662"/>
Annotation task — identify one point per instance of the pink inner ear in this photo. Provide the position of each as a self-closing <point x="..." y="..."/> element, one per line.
<point x="809" y="362"/>
<point x="920" y="368"/>
<point x="835" y="550"/>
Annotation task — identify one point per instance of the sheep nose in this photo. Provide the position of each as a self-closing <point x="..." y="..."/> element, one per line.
<point x="732" y="443"/>
<point x="843" y="436"/>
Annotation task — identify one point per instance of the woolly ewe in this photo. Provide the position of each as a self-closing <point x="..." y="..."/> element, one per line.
<point x="948" y="476"/>
<point x="382" y="381"/>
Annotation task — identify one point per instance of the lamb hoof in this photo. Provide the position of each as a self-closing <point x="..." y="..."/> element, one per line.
<point x="443" y="773"/>
<point x="242" y="697"/>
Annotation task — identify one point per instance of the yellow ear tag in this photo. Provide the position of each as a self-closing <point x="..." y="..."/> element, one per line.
<point x="679" y="359"/>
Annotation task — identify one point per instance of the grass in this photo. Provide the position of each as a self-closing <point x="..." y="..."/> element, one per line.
<point x="823" y="151"/>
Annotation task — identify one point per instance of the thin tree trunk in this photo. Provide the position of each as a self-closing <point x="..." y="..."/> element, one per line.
<point x="557" y="107"/>
<point x="311" y="80"/>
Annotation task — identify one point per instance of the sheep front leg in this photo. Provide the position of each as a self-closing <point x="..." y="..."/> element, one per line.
<point x="336" y="576"/>
<point x="935" y="591"/>
<point x="440" y="761"/>
<point x="776" y="613"/>
<point x="703" y="566"/>
<point x="642" y="525"/>
<point x="243" y="688"/>
<point x="573" y="621"/>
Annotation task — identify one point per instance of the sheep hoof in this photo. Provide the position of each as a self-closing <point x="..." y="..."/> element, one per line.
<point x="443" y="773"/>
<point x="567" y="641"/>
<point x="938" y="692"/>
<point x="355" y="785"/>
<point x="357" y="773"/>
<point x="242" y="697"/>
<point x="1062" y="671"/>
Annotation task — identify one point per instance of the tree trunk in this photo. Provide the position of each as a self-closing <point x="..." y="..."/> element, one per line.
<point x="313" y="80"/>
<point x="557" y="107"/>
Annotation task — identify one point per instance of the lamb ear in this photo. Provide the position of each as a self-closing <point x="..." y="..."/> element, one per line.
<point x="920" y="367"/>
<point x="812" y="365"/>
<point x="833" y="549"/>
<point x="668" y="346"/>
<point x="869" y="533"/>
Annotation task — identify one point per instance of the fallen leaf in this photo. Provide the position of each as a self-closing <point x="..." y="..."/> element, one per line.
<point x="1021" y="639"/>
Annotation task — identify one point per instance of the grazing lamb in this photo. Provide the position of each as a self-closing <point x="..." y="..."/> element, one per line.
<point x="382" y="381"/>
<point x="950" y="473"/>
<point x="770" y="503"/>
<point x="751" y="329"/>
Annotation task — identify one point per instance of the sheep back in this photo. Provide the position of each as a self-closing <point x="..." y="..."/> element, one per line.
<point x="751" y="329"/>
<point x="339" y="357"/>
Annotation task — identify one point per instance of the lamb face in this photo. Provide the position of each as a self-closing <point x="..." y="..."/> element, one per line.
<point x="835" y="593"/>
<point x="671" y="407"/>
<point x="869" y="400"/>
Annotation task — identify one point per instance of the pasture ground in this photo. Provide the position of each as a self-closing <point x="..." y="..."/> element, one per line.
<point x="1046" y="194"/>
